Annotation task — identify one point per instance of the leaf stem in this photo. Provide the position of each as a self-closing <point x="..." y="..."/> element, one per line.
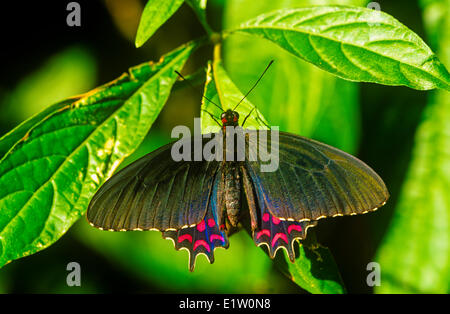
<point x="205" y="25"/>
<point x="200" y="13"/>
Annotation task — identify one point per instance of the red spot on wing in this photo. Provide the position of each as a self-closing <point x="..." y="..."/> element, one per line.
<point x="185" y="237"/>
<point x="278" y="236"/>
<point x="201" y="242"/>
<point x="216" y="237"/>
<point x="263" y="232"/>
<point x="294" y="227"/>
<point x="211" y="222"/>
<point x="201" y="226"/>
<point x="276" y="220"/>
<point x="266" y="217"/>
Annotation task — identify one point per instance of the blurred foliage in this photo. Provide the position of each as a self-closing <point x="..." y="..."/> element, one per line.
<point x="375" y="122"/>
<point x="67" y="73"/>
<point x="415" y="253"/>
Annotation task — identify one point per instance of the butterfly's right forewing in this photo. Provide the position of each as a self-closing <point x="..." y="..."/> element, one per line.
<point x="314" y="181"/>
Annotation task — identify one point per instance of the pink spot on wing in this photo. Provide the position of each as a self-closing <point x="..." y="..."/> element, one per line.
<point x="278" y="236"/>
<point x="211" y="222"/>
<point x="294" y="227"/>
<point x="263" y="232"/>
<point x="201" y="226"/>
<point x="201" y="242"/>
<point x="216" y="237"/>
<point x="266" y="217"/>
<point x="185" y="237"/>
<point x="275" y="220"/>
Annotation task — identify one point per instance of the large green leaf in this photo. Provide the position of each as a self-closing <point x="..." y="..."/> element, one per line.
<point x="64" y="154"/>
<point x="415" y="252"/>
<point x="155" y="14"/>
<point x="354" y="43"/>
<point x="297" y="96"/>
<point x="313" y="274"/>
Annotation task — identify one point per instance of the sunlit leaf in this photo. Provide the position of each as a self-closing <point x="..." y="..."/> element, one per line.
<point x="63" y="155"/>
<point x="155" y="14"/>
<point x="354" y="43"/>
<point x="151" y="258"/>
<point x="415" y="253"/>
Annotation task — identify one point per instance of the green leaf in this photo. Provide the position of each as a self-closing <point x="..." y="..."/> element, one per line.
<point x="297" y="96"/>
<point x="221" y="90"/>
<point x="415" y="253"/>
<point x="354" y="43"/>
<point x="155" y="14"/>
<point x="63" y="155"/>
<point x="195" y="79"/>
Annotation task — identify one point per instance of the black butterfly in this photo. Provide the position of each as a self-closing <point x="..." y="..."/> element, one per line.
<point x="198" y="203"/>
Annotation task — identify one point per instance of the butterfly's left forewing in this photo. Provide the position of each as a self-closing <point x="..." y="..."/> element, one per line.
<point x="155" y="192"/>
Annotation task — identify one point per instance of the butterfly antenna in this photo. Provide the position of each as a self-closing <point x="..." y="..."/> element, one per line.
<point x="254" y="85"/>
<point x="183" y="78"/>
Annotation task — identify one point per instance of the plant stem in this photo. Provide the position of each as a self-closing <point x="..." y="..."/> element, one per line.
<point x="200" y="13"/>
<point x="217" y="52"/>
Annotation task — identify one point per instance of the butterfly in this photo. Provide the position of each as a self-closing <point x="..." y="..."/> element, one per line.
<point x="199" y="203"/>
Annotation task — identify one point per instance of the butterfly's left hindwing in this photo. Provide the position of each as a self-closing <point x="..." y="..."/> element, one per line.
<point x="204" y="237"/>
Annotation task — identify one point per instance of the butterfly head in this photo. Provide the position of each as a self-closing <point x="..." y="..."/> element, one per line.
<point x="230" y="118"/>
